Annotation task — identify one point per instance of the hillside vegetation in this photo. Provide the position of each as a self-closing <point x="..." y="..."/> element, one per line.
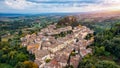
<point x="106" y="53"/>
<point x="68" y="21"/>
<point x="106" y="47"/>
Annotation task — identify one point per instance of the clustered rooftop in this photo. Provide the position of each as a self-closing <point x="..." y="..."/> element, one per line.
<point x="51" y="52"/>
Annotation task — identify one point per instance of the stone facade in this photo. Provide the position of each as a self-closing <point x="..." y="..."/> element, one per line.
<point x="57" y="53"/>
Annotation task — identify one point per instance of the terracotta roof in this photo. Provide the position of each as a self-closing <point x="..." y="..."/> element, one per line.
<point x="29" y="47"/>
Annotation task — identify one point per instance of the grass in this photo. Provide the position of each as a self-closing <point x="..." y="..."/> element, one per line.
<point x="2" y="65"/>
<point x="5" y="39"/>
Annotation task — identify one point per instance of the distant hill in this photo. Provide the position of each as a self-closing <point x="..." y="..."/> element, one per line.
<point x="99" y="16"/>
<point x="11" y="15"/>
<point x="101" y="13"/>
<point x="39" y="14"/>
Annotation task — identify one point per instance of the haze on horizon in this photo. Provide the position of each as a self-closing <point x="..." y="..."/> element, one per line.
<point x="47" y="6"/>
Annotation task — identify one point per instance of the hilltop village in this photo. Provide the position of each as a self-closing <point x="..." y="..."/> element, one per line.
<point x="59" y="47"/>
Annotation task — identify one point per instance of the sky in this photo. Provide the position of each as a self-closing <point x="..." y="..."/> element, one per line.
<point x="51" y="6"/>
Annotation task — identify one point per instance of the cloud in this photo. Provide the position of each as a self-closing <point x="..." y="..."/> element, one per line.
<point x="111" y="4"/>
<point x="111" y="1"/>
<point x="38" y="6"/>
<point x="25" y="4"/>
<point x="19" y="4"/>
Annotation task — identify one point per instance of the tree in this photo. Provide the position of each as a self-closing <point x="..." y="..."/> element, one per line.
<point x="93" y="63"/>
<point x="20" y="33"/>
<point x="20" y="65"/>
<point x="4" y="58"/>
<point x="68" y="21"/>
<point x="106" y="64"/>
<point x="0" y="39"/>
<point x="87" y="63"/>
<point x="21" y="57"/>
<point x="30" y="64"/>
<point x="99" y="50"/>
<point x="113" y="46"/>
<point x="12" y="54"/>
